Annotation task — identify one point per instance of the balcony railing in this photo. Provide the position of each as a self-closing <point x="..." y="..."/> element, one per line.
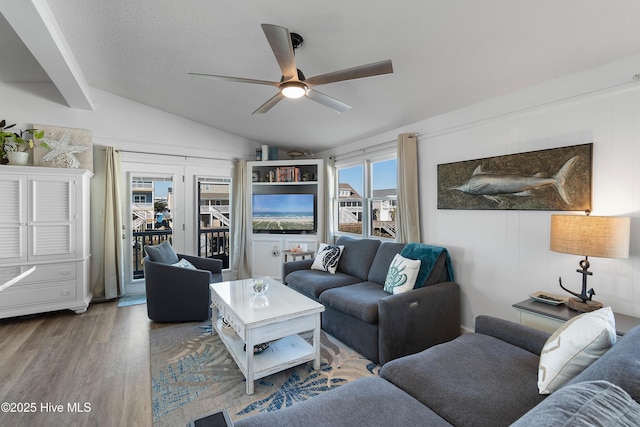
<point x="214" y="243"/>
<point x="142" y="239"/>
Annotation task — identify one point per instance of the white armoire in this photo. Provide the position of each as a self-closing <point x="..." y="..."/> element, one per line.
<point x="44" y="223"/>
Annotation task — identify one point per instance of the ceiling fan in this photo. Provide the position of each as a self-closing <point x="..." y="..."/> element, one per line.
<point x="293" y="83"/>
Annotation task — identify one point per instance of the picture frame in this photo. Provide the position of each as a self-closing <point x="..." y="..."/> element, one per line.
<point x="553" y="179"/>
<point x="69" y="148"/>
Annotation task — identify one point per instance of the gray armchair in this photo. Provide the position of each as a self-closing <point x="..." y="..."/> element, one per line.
<point x="178" y="294"/>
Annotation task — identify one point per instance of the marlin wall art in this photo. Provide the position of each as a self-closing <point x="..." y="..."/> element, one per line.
<point x="554" y="179"/>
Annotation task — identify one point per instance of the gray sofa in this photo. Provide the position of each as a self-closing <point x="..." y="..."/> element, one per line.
<point x="486" y="378"/>
<point x="358" y="312"/>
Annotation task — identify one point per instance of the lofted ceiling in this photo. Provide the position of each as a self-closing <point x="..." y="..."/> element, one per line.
<point x="446" y="55"/>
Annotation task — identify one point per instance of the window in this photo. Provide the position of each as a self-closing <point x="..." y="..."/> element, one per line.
<point x="382" y="205"/>
<point x="139" y="198"/>
<point x="151" y="218"/>
<point x="367" y="192"/>
<point x="214" y="219"/>
<point x="350" y="199"/>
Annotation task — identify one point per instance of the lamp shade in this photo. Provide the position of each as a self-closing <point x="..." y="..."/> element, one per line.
<point x="596" y="236"/>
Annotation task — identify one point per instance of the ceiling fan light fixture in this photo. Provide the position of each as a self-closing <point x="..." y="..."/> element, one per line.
<point x="293" y="83"/>
<point x="293" y="90"/>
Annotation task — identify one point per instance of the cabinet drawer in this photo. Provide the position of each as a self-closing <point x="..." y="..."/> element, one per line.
<point x="32" y="295"/>
<point x="43" y="273"/>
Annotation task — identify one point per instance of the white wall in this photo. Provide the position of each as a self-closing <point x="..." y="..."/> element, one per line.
<point x="121" y="123"/>
<point x="127" y="125"/>
<point x="502" y="256"/>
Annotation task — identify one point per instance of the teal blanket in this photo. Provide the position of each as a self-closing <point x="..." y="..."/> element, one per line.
<point x="428" y="255"/>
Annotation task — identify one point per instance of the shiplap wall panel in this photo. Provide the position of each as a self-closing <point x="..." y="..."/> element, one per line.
<point x="501" y="257"/>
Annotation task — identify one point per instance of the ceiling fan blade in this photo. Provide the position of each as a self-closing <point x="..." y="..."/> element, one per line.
<point x="269" y="104"/>
<point x="235" y="79"/>
<point x="280" y="41"/>
<point x="337" y="106"/>
<point x="369" y="70"/>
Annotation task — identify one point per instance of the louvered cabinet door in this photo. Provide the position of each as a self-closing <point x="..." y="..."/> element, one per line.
<point x="52" y="227"/>
<point x="44" y="223"/>
<point x="13" y="218"/>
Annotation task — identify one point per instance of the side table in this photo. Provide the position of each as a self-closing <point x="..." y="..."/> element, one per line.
<point x="295" y="254"/>
<point x="548" y="318"/>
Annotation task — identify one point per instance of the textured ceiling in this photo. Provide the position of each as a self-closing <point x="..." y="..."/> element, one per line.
<point x="446" y="55"/>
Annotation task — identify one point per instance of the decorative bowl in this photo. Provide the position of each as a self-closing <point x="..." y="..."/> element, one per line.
<point x="259" y="286"/>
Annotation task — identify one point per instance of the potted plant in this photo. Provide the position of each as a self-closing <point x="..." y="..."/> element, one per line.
<point x="15" y="145"/>
<point x="4" y="137"/>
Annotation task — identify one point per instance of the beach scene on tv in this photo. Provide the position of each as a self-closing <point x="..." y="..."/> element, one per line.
<point x="283" y="212"/>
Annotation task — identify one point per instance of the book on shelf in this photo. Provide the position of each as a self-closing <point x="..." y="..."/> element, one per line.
<point x="288" y="174"/>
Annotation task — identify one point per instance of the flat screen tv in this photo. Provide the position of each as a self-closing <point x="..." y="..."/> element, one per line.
<point x="284" y="213"/>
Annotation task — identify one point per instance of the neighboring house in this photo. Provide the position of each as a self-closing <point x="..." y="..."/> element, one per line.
<point x="214" y="222"/>
<point x="383" y="211"/>
<point x="350" y="209"/>
<point x="214" y="205"/>
<point x="143" y="215"/>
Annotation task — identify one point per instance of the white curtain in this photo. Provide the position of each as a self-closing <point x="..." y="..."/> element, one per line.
<point x="329" y="197"/>
<point x="110" y="280"/>
<point x="240" y="268"/>
<point x="408" y="212"/>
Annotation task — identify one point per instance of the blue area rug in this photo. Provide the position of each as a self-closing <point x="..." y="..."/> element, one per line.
<point x="129" y="300"/>
<point x="192" y="374"/>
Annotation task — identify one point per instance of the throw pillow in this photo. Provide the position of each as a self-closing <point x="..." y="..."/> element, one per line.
<point x="183" y="263"/>
<point x="574" y="346"/>
<point x="584" y="404"/>
<point x="162" y="253"/>
<point x="327" y="258"/>
<point x="402" y="274"/>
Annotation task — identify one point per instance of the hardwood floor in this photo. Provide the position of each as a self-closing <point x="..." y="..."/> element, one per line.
<point x="76" y="370"/>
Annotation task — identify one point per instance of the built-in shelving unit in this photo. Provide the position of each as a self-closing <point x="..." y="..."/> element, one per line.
<point x="283" y="177"/>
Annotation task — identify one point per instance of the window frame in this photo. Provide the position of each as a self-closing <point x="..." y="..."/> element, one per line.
<point x="366" y="160"/>
<point x="208" y="181"/>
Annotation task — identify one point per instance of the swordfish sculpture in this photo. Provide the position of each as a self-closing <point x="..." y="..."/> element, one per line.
<point x="490" y="185"/>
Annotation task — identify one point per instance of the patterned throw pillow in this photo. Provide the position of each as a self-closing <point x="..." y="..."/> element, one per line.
<point x="402" y="274"/>
<point x="183" y="263"/>
<point x="327" y="258"/>
<point x="574" y="346"/>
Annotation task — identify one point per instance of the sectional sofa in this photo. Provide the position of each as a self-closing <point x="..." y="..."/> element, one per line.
<point x="379" y="325"/>
<point x="486" y="378"/>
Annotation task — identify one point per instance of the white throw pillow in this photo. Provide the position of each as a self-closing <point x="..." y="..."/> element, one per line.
<point x="402" y="274"/>
<point x="327" y="258"/>
<point x="574" y="346"/>
<point x="183" y="263"/>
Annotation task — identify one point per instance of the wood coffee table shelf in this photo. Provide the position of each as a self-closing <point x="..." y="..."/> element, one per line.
<point x="277" y="318"/>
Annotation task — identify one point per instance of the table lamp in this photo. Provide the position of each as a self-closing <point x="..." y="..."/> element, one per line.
<point x="596" y="236"/>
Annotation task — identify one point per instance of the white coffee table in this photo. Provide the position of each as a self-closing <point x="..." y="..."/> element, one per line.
<point x="278" y="318"/>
